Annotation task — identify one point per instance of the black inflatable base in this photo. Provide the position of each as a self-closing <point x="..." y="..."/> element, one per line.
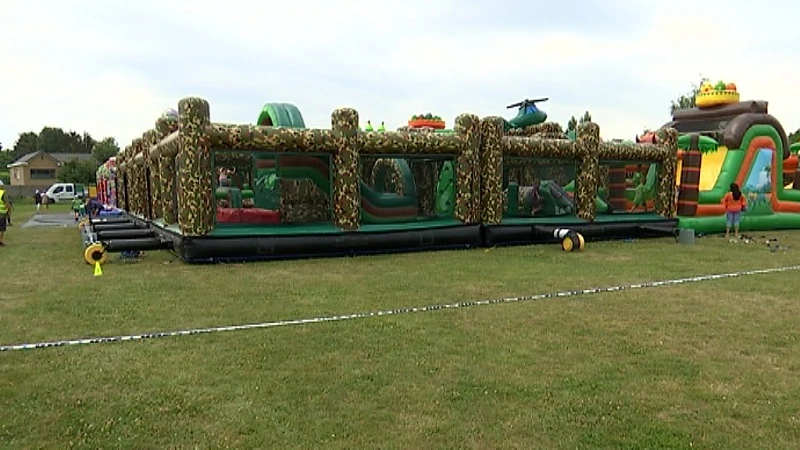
<point x="208" y="249"/>
<point x="260" y="248"/>
<point x="499" y="235"/>
<point x="137" y="244"/>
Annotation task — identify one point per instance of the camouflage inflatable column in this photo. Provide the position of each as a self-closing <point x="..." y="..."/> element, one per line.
<point x="666" y="204"/>
<point x="141" y="178"/>
<point x="367" y="162"/>
<point x="130" y="175"/>
<point x="467" y="207"/>
<point x="346" y="177"/>
<point x="426" y="175"/>
<point x="121" y="169"/>
<point x="588" y="167"/>
<point x="491" y="170"/>
<point x="195" y="183"/>
<point x="135" y="186"/>
<point x="150" y="139"/>
<point x="166" y="168"/>
<point x="126" y="179"/>
<point x="141" y="175"/>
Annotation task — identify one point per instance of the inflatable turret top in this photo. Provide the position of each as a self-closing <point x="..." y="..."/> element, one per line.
<point x="720" y="113"/>
<point x="426" y="121"/>
<point x="721" y="93"/>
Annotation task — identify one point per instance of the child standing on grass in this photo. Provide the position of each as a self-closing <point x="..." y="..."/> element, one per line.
<point x="76" y="208"/>
<point x="734" y="203"/>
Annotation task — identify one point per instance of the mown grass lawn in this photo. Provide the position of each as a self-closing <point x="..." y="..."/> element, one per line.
<point x="704" y="365"/>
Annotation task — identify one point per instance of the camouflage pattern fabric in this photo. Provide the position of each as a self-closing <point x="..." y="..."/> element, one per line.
<point x="468" y="201"/>
<point x="492" y="197"/>
<point x="121" y="187"/>
<point x="135" y="179"/>
<point x="126" y="172"/>
<point x="251" y="137"/>
<point x="521" y="171"/>
<point x="140" y="171"/>
<point x="301" y="201"/>
<point x="242" y="162"/>
<point x="533" y="147"/>
<point x="426" y="176"/>
<point x="394" y="182"/>
<point x="149" y="142"/>
<point x="367" y="162"/>
<point x="587" y="143"/>
<point x="551" y="136"/>
<point x="195" y="196"/>
<point x="163" y="156"/>
<point x="168" y="151"/>
<point x="346" y="181"/>
<point x="176" y="156"/>
<point x="549" y="128"/>
<point x="666" y="204"/>
<point x="412" y="143"/>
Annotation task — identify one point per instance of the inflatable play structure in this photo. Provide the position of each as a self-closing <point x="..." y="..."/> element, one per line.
<point x="724" y="140"/>
<point x="107" y="182"/>
<point x="276" y="189"/>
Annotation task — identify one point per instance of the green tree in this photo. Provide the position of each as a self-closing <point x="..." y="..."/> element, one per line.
<point x="56" y="140"/>
<point x="27" y="142"/>
<point x="572" y="125"/>
<point x="86" y="143"/>
<point x="686" y="101"/>
<point x="585" y="118"/>
<point x="105" y="149"/>
<point x="794" y="137"/>
<point x="6" y="158"/>
<point x="78" y="171"/>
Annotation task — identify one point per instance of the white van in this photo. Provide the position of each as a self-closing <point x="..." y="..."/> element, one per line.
<point x="65" y="191"/>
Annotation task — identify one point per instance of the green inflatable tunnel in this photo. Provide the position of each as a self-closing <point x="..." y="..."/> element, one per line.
<point x="284" y="115"/>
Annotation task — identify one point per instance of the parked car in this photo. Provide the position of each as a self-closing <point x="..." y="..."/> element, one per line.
<point x="65" y="192"/>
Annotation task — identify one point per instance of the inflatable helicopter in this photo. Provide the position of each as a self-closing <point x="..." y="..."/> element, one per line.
<point x="527" y="115"/>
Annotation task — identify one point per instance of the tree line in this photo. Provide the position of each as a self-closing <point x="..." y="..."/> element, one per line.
<point x="572" y="124"/>
<point x="56" y="140"/>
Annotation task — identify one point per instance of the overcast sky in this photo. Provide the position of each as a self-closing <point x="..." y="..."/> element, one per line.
<point x="110" y="67"/>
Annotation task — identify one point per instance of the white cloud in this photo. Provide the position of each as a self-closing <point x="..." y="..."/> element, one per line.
<point x="111" y="69"/>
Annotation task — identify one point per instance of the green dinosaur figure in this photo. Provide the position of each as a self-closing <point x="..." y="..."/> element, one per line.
<point x="644" y="187"/>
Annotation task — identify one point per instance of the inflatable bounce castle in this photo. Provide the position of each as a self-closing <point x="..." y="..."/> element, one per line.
<point x="277" y="189"/>
<point x="725" y="140"/>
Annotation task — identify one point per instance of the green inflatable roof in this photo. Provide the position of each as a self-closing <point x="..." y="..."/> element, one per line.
<point x="705" y="143"/>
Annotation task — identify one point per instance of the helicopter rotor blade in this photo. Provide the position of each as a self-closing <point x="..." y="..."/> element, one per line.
<point x="527" y="102"/>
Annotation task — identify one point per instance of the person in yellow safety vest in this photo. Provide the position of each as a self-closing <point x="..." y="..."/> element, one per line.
<point x="5" y="209"/>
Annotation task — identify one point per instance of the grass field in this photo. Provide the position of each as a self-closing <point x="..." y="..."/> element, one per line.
<point x="702" y="365"/>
